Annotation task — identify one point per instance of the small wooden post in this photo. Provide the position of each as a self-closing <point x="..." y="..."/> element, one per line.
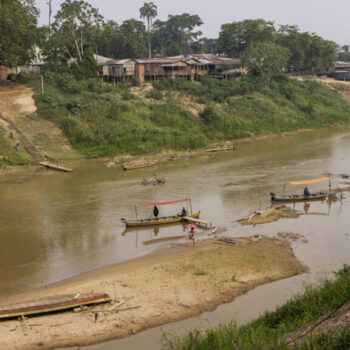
<point x="136" y="212"/>
<point x="284" y="186"/>
<point x="42" y="84"/>
<point x="190" y="205"/>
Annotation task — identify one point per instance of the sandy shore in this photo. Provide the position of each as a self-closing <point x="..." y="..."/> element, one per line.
<point x="170" y="285"/>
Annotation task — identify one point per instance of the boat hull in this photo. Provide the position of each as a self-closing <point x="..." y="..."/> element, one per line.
<point x="53" y="304"/>
<point x="301" y="197"/>
<point x="158" y="221"/>
<point x="138" y="165"/>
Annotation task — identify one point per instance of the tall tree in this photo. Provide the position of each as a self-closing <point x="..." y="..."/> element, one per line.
<point x="176" y="35"/>
<point x="75" y="27"/>
<point x="131" y="40"/>
<point x="149" y="11"/>
<point x="343" y="53"/>
<point x="265" y="59"/>
<point x="105" y="43"/>
<point x="18" y="31"/>
<point x="309" y="53"/>
<point x="235" y="37"/>
<point x="50" y="12"/>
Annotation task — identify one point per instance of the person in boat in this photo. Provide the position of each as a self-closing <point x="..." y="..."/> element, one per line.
<point x="191" y="236"/>
<point x="183" y="212"/>
<point x="155" y="211"/>
<point x="306" y="192"/>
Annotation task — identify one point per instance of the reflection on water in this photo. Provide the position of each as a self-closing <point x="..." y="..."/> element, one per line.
<point x="58" y="226"/>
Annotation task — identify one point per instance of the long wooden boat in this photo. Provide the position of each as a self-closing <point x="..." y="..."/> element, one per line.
<point x="213" y="150"/>
<point x="133" y="166"/>
<point x="53" y="304"/>
<point x="158" y="221"/>
<point x="301" y="197"/>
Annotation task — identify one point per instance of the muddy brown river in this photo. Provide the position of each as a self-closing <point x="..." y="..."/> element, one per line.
<point x="61" y="225"/>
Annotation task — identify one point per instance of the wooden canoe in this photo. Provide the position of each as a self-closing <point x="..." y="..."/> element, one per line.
<point x="158" y="221"/>
<point x="133" y="166"/>
<point x="301" y="197"/>
<point x="53" y="304"/>
<point x="213" y="150"/>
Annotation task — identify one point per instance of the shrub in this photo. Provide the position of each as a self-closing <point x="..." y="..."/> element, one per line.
<point x="75" y="106"/>
<point x="155" y="94"/>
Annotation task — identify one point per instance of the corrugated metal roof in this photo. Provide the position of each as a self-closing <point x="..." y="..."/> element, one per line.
<point x="341" y="64"/>
<point x="163" y="60"/>
<point x="214" y="59"/>
<point x="117" y="62"/>
<point x="101" y="59"/>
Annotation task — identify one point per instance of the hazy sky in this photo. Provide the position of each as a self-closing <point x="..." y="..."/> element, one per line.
<point x="330" y="19"/>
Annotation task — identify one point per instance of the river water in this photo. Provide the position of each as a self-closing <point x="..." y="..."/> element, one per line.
<point x="58" y="226"/>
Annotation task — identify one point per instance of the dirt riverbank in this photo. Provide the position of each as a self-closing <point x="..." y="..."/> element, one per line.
<point x="170" y="285"/>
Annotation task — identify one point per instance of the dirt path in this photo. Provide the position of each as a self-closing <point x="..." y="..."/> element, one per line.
<point x="17" y="105"/>
<point x="170" y="285"/>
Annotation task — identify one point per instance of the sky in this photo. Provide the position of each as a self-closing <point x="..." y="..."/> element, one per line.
<point x="329" y="19"/>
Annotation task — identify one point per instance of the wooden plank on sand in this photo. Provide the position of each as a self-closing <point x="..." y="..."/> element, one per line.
<point x="55" y="167"/>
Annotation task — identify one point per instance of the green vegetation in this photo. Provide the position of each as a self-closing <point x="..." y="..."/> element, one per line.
<point x="149" y="11"/>
<point x="18" y="31"/>
<point x="8" y="153"/>
<point x="109" y="119"/>
<point x="266" y="333"/>
<point x="309" y="52"/>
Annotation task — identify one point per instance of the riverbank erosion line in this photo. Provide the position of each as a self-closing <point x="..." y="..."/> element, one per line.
<point x="170" y="285"/>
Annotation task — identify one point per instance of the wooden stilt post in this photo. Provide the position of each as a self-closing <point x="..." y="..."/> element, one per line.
<point x="136" y="212"/>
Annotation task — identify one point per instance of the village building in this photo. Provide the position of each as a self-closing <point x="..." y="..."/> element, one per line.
<point x="220" y="67"/>
<point x="341" y="71"/>
<point x="118" y="70"/>
<point x="187" y="67"/>
<point x="167" y="67"/>
<point x="35" y="67"/>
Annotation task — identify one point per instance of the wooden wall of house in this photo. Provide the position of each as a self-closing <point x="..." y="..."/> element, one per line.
<point x="3" y="73"/>
<point x="129" y="67"/>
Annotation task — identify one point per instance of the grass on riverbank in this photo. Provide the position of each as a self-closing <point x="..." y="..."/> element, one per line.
<point x="109" y="120"/>
<point x="8" y="153"/>
<point x="268" y="330"/>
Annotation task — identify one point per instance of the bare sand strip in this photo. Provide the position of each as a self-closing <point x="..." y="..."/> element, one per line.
<point x="170" y="285"/>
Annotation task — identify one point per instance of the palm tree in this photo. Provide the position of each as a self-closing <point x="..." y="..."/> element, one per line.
<point x="149" y="11"/>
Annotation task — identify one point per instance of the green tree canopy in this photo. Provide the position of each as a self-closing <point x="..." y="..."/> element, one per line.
<point x="235" y="37"/>
<point x="131" y="40"/>
<point x="309" y="53"/>
<point x="74" y="29"/>
<point x="343" y="53"/>
<point x="265" y="59"/>
<point x="105" y="42"/>
<point x="18" y="31"/>
<point x="176" y="35"/>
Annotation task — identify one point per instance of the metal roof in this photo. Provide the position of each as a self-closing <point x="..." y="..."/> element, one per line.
<point x="163" y="60"/>
<point x="214" y="59"/>
<point x="101" y="59"/>
<point x="341" y="64"/>
<point x="117" y="62"/>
